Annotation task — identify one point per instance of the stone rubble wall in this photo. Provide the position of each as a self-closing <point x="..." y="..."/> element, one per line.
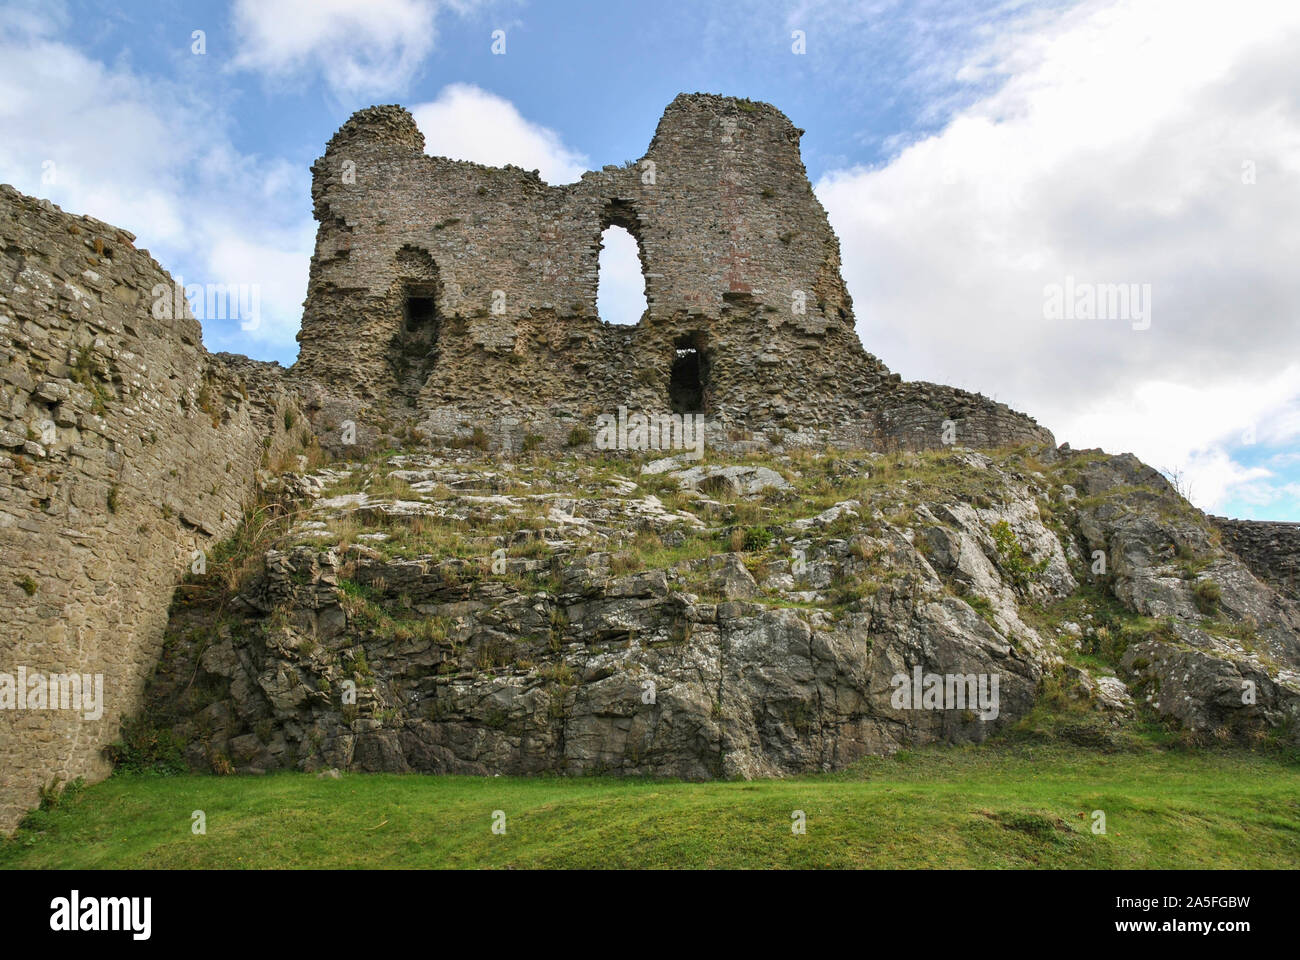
<point x="124" y="447"/>
<point x="1270" y="549"/>
<point x="738" y="256"/>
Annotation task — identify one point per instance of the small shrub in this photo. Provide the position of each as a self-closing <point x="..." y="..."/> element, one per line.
<point x="1017" y="564"/>
<point x="359" y="667"/>
<point x="1207" y="594"/>
<point x="850" y="589"/>
<point x="55" y="792"/>
<point x="560" y="673"/>
<point x="621" y="564"/>
<point x="579" y="436"/>
<point x="489" y="656"/>
<point x="478" y="439"/>
<point x="144" y="748"/>
<point x="210" y="404"/>
<point x="559" y="621"/>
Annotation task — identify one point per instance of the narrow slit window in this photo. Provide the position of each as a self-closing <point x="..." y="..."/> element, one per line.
<point x="687" y="383"/>
<point x="415" y="350"/>
<point x="419" y="313"/>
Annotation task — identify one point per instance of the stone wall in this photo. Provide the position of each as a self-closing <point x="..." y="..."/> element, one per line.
<point x="124" y="447"/>
<point x="469" y="292"/>
<point x="1271" y="550"/>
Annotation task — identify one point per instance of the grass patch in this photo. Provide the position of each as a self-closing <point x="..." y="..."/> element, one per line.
<point x="1002" y="807"/>
<point x="1207" y="594"/>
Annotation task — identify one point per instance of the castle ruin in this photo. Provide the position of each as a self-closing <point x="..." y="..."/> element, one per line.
<point x="452" y="295"/>
<point x="467" y="294"/>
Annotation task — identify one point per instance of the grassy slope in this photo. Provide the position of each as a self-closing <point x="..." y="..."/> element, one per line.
<point x="1016" y="806"/>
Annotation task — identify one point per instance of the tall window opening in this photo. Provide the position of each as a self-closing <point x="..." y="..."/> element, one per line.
<point x="620" y="285"/>
<point x="416" y="325"/>
<point x="415" y="348"/>
<point x="688" y="382"/>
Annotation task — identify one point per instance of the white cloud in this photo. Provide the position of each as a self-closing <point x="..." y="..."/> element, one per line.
<point x="1112" y="153"/>
<point x="147" y="156"/>
<point x="360" y="49"/>
<point x="277" y="261"/>
<point x="468" y="123"/>
<point x="1193" y="427"/>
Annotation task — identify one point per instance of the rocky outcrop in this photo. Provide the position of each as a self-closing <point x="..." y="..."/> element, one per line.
<point x="769" y="650"/>
<point x="691" y="672"/>
<point x="1224" y="657"/>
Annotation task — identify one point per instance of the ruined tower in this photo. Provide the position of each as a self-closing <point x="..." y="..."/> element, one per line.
<point x="467" y="293"/>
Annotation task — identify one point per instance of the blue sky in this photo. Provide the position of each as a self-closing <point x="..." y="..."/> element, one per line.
<point x="599" y="72"/>
<point x="969" y="154"/>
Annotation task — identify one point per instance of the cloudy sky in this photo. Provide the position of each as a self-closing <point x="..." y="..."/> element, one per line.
<point x="976" y="157"/>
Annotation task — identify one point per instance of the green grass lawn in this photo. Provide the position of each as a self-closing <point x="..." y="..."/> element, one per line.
<point x="1009" y="806"/>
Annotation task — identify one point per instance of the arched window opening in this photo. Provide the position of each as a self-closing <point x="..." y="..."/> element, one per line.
<point x="415" y="348"/>
<point x="620" y="285"/>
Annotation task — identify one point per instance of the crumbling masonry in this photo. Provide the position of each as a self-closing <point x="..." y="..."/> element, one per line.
<point x="466" y="294"/>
